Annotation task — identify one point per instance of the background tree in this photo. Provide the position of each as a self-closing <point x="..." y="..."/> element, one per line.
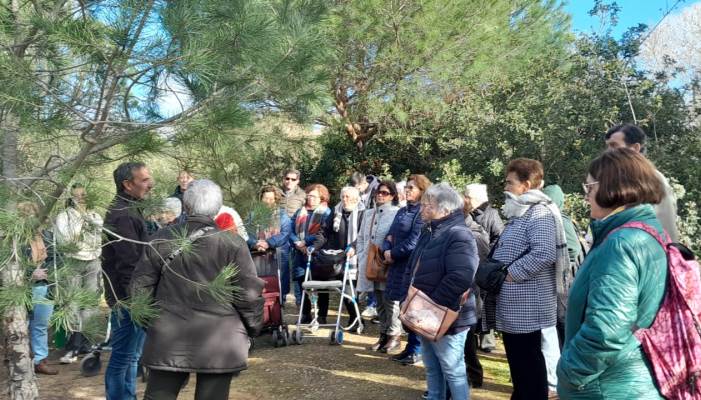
<point x="80" y="85"/>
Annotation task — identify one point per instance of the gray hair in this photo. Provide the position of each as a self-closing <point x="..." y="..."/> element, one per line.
<point x="444" y="198"/>
<point x="173" y="205"/>
<point x="352" y="191"/>
<point x="203" y="197"/>
<point x="125" y="172"/>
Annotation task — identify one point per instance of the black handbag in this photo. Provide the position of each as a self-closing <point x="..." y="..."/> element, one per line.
<point x="327" y="264"/>
<point x="492" y="273"/>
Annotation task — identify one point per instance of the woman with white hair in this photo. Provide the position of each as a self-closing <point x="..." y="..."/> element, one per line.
<point x="443" y="267"/>
<point x="342" y="234"/>
<point x="477" y="206"/>
<point x="196" y="331"/>
<point x="477" y="201"/>
<point x="172" y="209"/>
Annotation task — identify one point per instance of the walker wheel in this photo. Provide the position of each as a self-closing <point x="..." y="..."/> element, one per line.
<point x="339" y="336"/>
<point x="91" y="365"/>
<point x="285" y="337"/>
<point x="276" y="339"/>
<point x="299" y="336"/>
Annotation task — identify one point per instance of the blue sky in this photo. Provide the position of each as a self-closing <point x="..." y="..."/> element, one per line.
<point x="632" y="13"/>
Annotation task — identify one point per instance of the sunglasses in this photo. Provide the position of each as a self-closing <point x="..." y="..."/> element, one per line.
<point x="383" y="193"/>
<point x="588" y="186"/>
<point x="290" y="179"/>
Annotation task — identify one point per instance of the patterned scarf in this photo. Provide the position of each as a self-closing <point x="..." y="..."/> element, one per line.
<point x="517" y="206"/>
<point x="314" y="224"/>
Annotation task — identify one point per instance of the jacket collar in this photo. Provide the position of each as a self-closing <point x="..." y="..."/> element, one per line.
<point x="601" y="228"/>
<point x="415" y="207"/>
<point x="122" y="195"/>
<point x="451" y="219"/>
<point x="200" y="220"/>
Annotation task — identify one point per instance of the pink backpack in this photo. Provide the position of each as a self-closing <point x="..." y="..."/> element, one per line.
<point x="673" y="342"/>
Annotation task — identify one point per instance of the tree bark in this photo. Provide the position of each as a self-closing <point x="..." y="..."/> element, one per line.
<point x="23" y="385"/>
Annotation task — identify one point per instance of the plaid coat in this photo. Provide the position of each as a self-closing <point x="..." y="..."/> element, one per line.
<point x="527" y="245"/>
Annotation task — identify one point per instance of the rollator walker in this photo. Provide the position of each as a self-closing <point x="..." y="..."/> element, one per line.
<point x="312" y="288"/>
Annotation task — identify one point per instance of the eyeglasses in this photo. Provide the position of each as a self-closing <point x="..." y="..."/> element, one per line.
<point x="587" y="187"/>
<point x="290" y="179"/>
<point x="409" y="188"/>
<point x="312" y="196"/>
<point x="383" y="193"/>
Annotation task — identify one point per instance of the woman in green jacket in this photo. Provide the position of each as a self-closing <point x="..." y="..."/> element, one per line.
<point x="619" y="287"/>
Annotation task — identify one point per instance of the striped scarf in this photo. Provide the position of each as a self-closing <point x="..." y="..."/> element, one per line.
<point x="314" y="224"/>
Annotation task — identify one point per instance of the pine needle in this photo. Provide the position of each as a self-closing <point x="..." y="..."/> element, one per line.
<point x="222" y="288"/>
<point x="141" y="307"/>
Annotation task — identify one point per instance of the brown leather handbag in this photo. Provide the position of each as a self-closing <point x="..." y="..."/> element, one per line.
<point x="375" y="269"/>
<point x="424" y="316"/>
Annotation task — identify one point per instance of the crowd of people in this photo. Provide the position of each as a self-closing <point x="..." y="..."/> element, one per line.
<point x="566" y="308"/>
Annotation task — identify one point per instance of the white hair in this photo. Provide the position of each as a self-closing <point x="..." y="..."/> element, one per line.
<point x="478" y="192"/>
<point x="203" y="197"/>
<point x="400" y="186"/>
<point x="444" y="198"/>
<point x="173" y="205"/>
<point x="351" y="191"/>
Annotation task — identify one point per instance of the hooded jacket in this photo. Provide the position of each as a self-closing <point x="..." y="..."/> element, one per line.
<point x="443" y="266"/>
<point x="619" y="287"/>
<point x="404" y="234"/>
<point x="490" y="220"/>
<point x="574" y="248"/>
<point x="195" y="332"/>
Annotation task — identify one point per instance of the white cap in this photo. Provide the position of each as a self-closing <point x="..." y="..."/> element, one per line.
<point x="477" y="191"/>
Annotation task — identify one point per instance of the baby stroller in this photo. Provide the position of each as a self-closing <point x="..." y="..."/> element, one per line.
<point x="312" y="288"/>
<point x="268" y="269"/>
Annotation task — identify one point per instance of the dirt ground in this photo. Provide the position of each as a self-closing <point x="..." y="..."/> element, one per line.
<point x="313" y="370"/>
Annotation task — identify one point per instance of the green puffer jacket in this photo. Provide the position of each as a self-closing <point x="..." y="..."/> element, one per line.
<point x="620" y="286"/>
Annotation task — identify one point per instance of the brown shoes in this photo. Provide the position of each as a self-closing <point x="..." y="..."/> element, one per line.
<point x="44" y="368"/>
<point x="392" y="344"/>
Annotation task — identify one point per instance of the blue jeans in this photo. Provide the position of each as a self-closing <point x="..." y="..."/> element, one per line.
<point x="444" y="361"/>
<point x="39" y="322"/>
<point x="413" y="343"/>
<point x="284" y="270"/>
<point x="127" y="340"/>
<point x="372" y="301"/>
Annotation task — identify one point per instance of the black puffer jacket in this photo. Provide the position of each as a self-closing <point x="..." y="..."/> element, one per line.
<point x="448" y="261"/>
<point x="194" y="332"/>
<point x="490" y="220"/>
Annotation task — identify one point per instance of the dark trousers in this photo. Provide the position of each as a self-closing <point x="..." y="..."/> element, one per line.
<point x="560" y="333"/>
<point x="527" y="365"/>
<point x="323" y="303"/>
<point x="475" y="374"/>
<point x="165" y="385"/>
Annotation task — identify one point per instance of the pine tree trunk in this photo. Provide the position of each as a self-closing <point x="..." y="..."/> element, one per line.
<point x="22" y="381"/>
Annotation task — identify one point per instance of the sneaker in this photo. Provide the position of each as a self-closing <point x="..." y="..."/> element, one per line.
<point x="369" y="312"/>
<point x="410" y="359"/>
<point x="69" y="358"/>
